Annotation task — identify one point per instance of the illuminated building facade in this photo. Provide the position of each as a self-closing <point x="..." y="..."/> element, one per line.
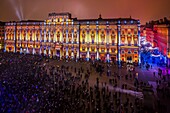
<point x="162" y="37"/>
<point x="158" y="33"/>
<point x="66" y="37"/>
<point x="2" y="24"/>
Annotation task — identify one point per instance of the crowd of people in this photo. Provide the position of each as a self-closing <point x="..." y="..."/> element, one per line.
<point x="28" y="83"/>
<point x="162" y="88"/>
<point x="161" y="85"/>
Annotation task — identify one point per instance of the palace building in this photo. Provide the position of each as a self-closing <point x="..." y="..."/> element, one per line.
<point x="61" y="35"/>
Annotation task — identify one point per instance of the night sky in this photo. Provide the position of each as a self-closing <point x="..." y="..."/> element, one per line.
<point x="145" y="10"/>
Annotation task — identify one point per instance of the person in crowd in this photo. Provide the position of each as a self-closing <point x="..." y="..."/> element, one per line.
<point x="28" y="83"/>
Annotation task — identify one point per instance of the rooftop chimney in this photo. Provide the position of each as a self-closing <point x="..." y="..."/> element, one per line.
<point x="161" y="21"/>
<point x="100" y="16"/>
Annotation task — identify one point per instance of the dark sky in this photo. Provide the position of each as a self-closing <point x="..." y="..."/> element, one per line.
<point x="144" y="10"/>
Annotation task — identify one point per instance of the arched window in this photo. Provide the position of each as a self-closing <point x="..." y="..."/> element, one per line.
<point x="83" y="36"/>
<point x="102" y="37"/>
<point x="58" y="36"/>
<point x="113" y="37"/>
<point x="92" y="37"/>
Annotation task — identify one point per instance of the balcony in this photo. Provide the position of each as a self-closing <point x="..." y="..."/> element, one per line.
<point x="83" y="50"/>
<point x="37" y="42"/>
<point x="93" y="43"/>
<point x="92" y="52"/>
<point x="135" y="44"/>
<point x="113" y="44"/>
<point x="102" y="43"/>
<point x="9" y="41"/>
<point x="24" y="41"/>
<point x="18" y="41"/>
<point x="69" y="42"/>
<point x="102" y="51"/>
<point x="82" y="43"/>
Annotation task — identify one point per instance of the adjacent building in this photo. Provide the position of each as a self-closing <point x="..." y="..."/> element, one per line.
<point x="61" y="35"/>
<point x="158" y="33"/>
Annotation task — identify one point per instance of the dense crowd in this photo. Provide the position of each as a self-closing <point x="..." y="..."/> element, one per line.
<point x="29" y="84"/>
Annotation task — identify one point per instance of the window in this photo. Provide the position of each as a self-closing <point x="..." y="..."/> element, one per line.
<point x="64" y="34"/>
<point x="83" y="48"/>
<point x="75" y="40"/>
<point x="75" y="34"/>
<point x="102" y="50"/>
<point x="92" y="41"/>
<point x="103" y="37"/>
<point x="83" y="41"/>
<point x="64" y="40"/>
<point x="64" y="19"/>
<point x="136" y="52"/>
<point x="92" y="49"/>
<point x="69" y="40"/>
<point x="69" y="34"/>
<point x="122" y="33"/>
<point x="92" y="35"/>
<point x="113" y="41"/>
<point x="113" y="50"/>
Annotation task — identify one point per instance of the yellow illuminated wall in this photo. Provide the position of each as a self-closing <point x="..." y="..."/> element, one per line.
<point x="92" y="34"/>
<point x="102" y="34"/>
<point x="60" y="33"/>
<point x="113" y="33"/>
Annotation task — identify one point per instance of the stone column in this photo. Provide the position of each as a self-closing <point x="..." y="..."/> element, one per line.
<point x="6" y="42"/>
<point x="139" y="53"/>
<point x="97" y="41"/>
<point x="118" y="42"/>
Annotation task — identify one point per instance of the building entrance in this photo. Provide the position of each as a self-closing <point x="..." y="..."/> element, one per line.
<point x="102" y="58"/>
<point x="92" y="57"/>
<point x="84" y="57"/>
<point x="113" y="59"/>
<point x="58" y="53"/>
<point x="129" y="59"/>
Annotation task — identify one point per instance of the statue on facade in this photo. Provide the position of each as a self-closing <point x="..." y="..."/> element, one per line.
<point x="113" y="37"/>
<point x="58" y="36"/>
<point x="92" y="36"/>
<point x="83" y="36"/>
<point x="102" y="37"/>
